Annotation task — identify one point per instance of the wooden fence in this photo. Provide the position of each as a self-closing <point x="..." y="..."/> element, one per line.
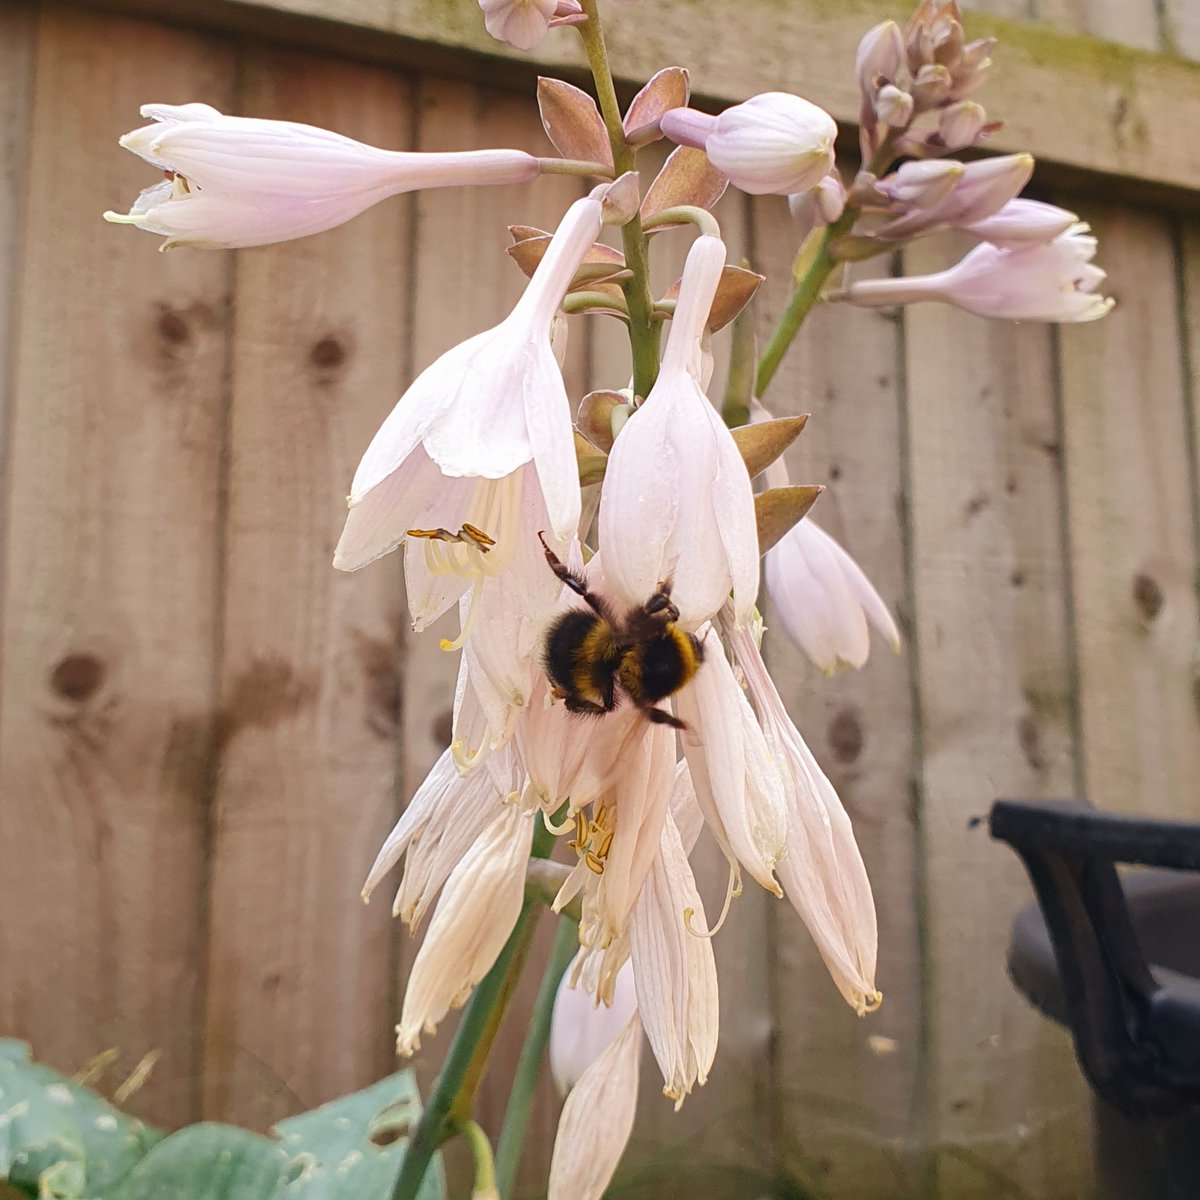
<point x="205" y="731"/>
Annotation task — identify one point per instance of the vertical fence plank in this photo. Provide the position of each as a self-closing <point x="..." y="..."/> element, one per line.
<point x="995" y="678"/>
<point x="301" y="977"/>
<point x="1188" y="244"/>
<point x="111" y="576"/>
<point x="466" y="283"/>
<point x="1132" y="545"/>
<point x="848" y="1086"/>
<point x="1181" y="28"/>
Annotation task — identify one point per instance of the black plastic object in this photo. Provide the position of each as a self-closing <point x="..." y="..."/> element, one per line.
<point x="1117" y="960"/>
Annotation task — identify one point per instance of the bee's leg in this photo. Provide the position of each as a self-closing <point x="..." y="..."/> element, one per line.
<point x="661" y="604"/>
<point x="575" y="705"/>
<point x="575" y="582"/>
<point x="660" y="716"/>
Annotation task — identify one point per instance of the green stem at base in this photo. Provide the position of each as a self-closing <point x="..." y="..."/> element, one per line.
<point x="512" y="1135"/>
<point x="485" y="1167"/>
<point x="643" y="329"/>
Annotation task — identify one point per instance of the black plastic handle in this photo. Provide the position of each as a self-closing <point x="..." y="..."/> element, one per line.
<point x="1137" y="1031"/>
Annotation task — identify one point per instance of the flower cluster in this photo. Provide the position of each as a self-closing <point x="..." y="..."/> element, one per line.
<point x="604" y="559"/>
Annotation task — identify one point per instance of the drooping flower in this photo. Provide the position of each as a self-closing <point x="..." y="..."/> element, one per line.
<point x="478" y="456"/>
<point x="823" y="598"/>
<point x="1023" y="223"/>
<point x="478" y="908"/>
<point x="246" y="181"/>
<point x="677" y="502"/>
<point x="1055" y="281"/>
<point x="772" y="144"/>
<point x="822" y="870"/>
<point x="597" y="1118"/>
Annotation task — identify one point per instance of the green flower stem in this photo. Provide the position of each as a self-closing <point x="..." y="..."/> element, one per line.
<point x="573" y="166"/>
<point x="809" y="285"/>
<point x="485" y="1172"/>
<point x="454" y="1090"/>
<point x="683" y="214"/>
<point x="643" y="330"/>
<point x="804" y="298"/>
<point x="512" y="1135"/>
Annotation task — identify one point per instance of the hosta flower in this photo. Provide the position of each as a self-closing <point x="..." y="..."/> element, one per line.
<point x="1022" y="223"/>
<point x="478" y="456"/>
<point x="477" y="910"/>
<point x="822" y="871"/>
<point x="823" y="599"/>
<point x="954" y="194"/>
<point x="775" y="143"/>
<point x="597" y="1118"/>
<point x="1056" y="281"/>
<point x="524" y="23"/>
<point x="677" y="501"/>
<point x="244" y="181"/>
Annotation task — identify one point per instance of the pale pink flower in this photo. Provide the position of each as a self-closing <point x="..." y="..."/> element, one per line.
<point x="480" y="443"/>
<point x="244" y="181"/>
<point x="677" y="502"/>
<point x="823" y="598"/>
<point x="822" y="871"/>
<point x="1022" y="223"/>
<point x="524" y="23"/>
<point x="774" y="143"/>
<point x="1056" y="281"/>
<point x="972" y="191"/>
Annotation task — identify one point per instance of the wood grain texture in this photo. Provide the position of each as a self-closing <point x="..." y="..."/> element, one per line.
<point x="849" y="1088"/>
<point x="996" y="692"/>
<point x="1125" y="22"/>
<point x="301" y="978"/>
<point x="1188" y="247"/>
<point x="110" y="589"/>
<point x="467" y="283"/>
<point x="1133" y="550"/>
<point x="1180" y="32"/>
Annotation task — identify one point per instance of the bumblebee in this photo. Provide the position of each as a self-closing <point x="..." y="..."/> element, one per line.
<point x="590" y="656"/>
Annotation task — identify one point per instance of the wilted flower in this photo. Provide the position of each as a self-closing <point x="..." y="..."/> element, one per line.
<point x="1055" y="281"/>
<point x="823" y="599"/>
<point x="775" y="143"/>
<point x="677" y="500"/>
<point x="244" y="181"/>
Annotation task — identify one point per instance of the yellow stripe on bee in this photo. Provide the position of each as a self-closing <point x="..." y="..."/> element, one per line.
<point x="596" y="648"/>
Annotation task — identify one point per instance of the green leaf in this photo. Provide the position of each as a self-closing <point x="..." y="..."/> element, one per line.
<point x="59" y="1137"/>
<point x="62" y="1141"/>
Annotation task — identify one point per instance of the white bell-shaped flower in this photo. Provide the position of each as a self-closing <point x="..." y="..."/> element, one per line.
<point x="677" y="503"/>
<point x="823" y="598"/>
<point x="246" y="181"/>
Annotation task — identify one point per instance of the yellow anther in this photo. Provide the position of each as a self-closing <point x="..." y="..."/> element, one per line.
<point x="594" y="864"/>
<point x="470" y="535"/>
<point x="481" y="539"/>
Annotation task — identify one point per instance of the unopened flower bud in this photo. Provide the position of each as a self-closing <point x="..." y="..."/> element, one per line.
<point x="961" y="123"/>
<point x="983" y="189"/>
<point x="619" y="200"/>
<point x="775" y="143"/>
<point x="894" y="106"/>
<point x="922" y="184"/>
<point x="931" y="85"/>
<point x="971" y="69"/>
<point x="1023" y="223"/>
<point x="880" y="54"/>
<point x="520" y="23"/>
<point x="820" y="206"/>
